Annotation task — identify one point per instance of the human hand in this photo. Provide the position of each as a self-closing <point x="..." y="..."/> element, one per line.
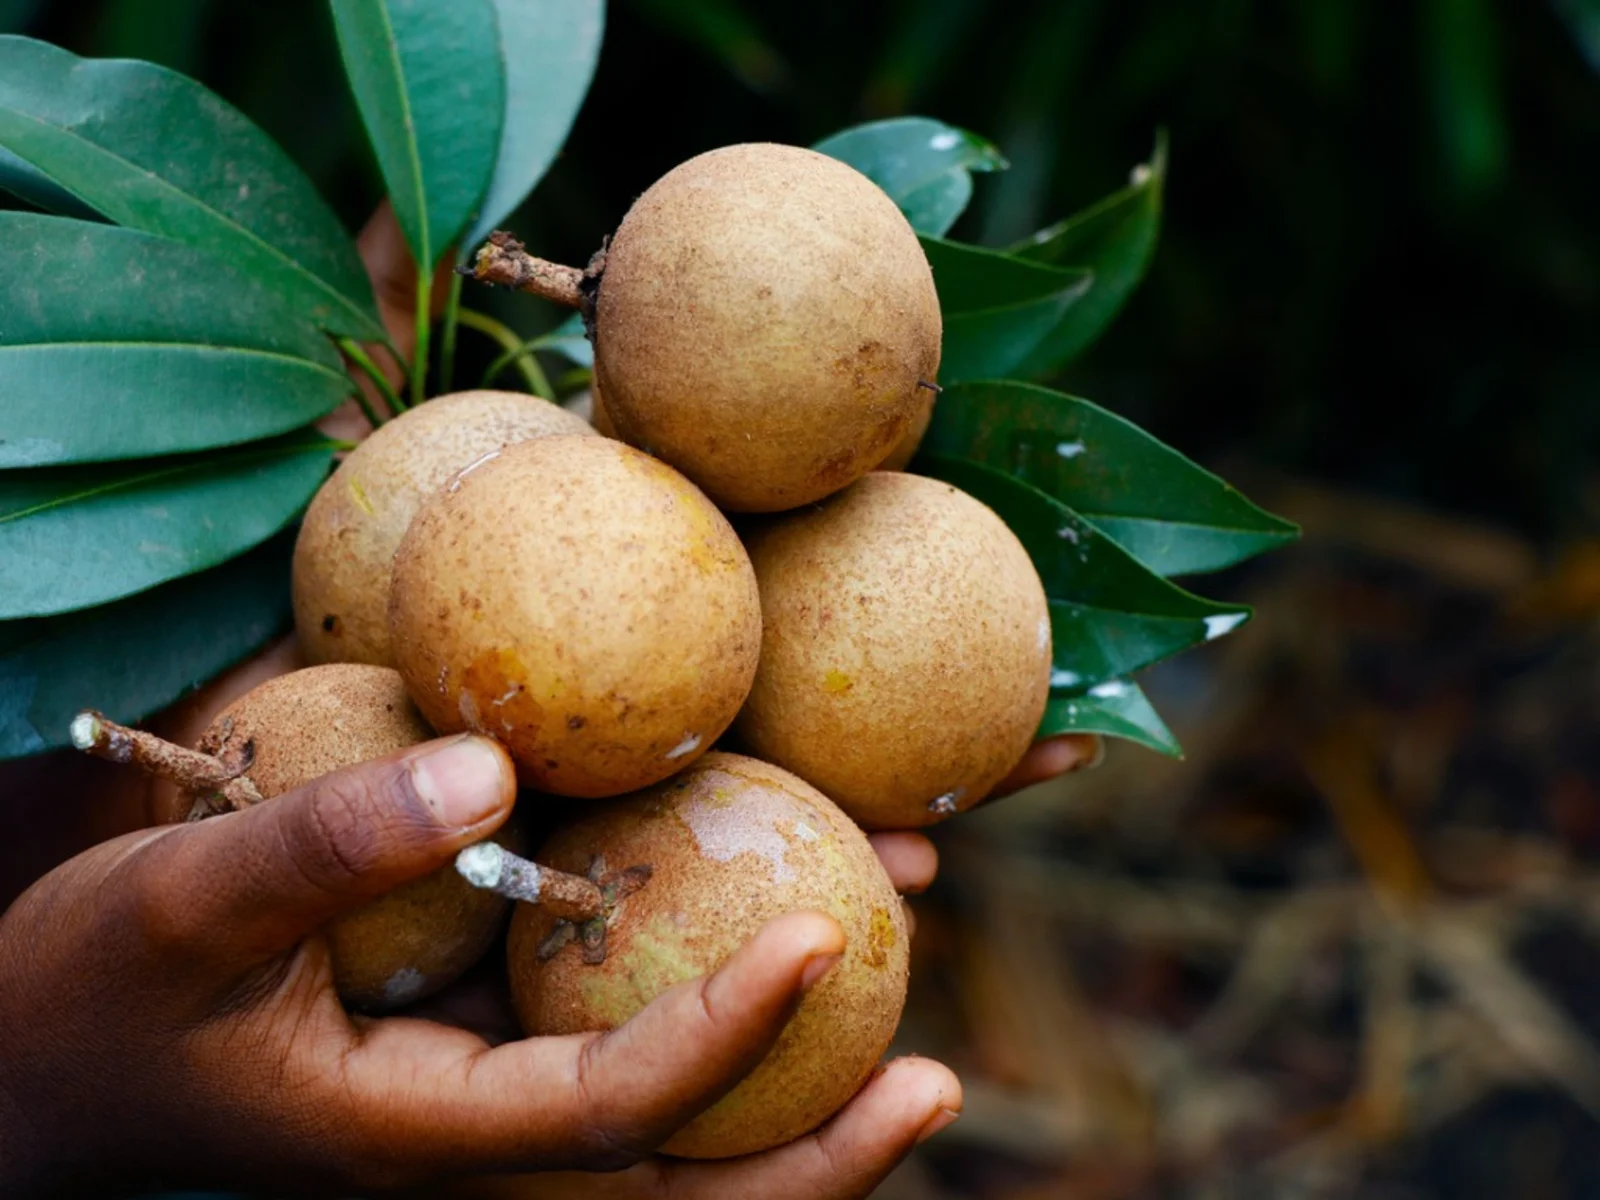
<point x="171" y="1020"/>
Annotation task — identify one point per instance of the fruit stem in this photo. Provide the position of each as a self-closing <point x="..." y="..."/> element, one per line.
<point x="96" y="734"/>
<point x="502" y="260"/>
<point x="447" y="347"/>
<point x="419" y="356"/>
<point x="515" y="350"/>
<point x="380" y="384"/>
<point x="494" y="868"/>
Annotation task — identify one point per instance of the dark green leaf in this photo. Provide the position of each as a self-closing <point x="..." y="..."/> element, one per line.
<point x="1115" y="239"/>
<point x="1110" y="615"/>
<point x="153" y="150"/>
<point x="428" y="79"/>
<point x="1115" y="708"/>
<point x="38" y="189"/>
<point x="119" y="344"/>
<point x="997" y="309"/>
<point x="72" y="537"/>
<point x="548" y="49"/>
<point x="925" y="166"/>
<point x="134" y="657"/>
<point x="1172" y="515"/>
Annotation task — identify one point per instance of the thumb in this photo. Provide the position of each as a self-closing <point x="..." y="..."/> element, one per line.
<point x="257" y="882"/>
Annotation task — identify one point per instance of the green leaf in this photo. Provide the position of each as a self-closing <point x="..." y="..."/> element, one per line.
<point x="72" y="537"/>
<point x="119" y="344"/>
<point x="38" y="189"/>
<point x="1115" y="239"/>
<point x="431" y="88"/>
<point x="997" y="309"/>
<point x="924" y="165"/>
<point x="1175" y="517"/>
<point x="1116" y="708"/>
<point x="548" y="49"/>
<point x="135" y="657"/>
<point x="155" y="151"/>
<point x="1109" y="614"/>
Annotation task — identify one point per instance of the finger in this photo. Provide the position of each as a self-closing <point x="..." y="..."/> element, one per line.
<point x="251" y="885"/>
<point x="909" y="858"/>
<point x="598" y="1101"/>
<point x="909" y="1101"/>
<point x="1051" y="758"/>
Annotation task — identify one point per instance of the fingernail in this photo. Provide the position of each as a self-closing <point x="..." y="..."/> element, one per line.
<point x="1095" y="759"/>
<point x="462" y="782"/>
<point x="939" y="1121"/>
<point x="816" y="968"/>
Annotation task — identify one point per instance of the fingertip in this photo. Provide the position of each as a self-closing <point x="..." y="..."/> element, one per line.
<point x="1056" y="756"/>
<point x="910" y="859"/>
<point x="907" y="1102"/>
<point x="923" y="1083"/>
<point x="464" y="781"/>
<point x="807" y="935"/>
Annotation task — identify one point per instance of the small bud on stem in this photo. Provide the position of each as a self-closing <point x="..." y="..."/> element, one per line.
<point x="194" y="772"/>
<point x="494" y="868"/>
<point x="502" y="260"/>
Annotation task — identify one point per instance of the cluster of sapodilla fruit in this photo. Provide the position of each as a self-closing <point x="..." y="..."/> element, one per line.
<point x="767" y="338"/>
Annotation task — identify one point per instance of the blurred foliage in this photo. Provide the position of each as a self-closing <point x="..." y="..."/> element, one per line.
<point x="1380" y="262"/>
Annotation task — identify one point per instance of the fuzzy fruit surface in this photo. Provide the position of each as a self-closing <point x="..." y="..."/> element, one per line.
<point x="766" y="322"/>
<point x="905" y="655"/>
<point x="731" y="843"/>
<point x="583" y="604"/>
<point x="419" y="937"/>
<point x="346" y="545"/>
<point x="906" y="448"/>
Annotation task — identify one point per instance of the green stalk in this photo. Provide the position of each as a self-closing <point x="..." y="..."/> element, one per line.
<point x="516" y="350"/>
<point x="419" y="359"/>
<point x="362" y="359"/>
<point x="447" y="350"/>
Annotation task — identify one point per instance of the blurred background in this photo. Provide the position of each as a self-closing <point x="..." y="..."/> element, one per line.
<point x="1351" y="945"/>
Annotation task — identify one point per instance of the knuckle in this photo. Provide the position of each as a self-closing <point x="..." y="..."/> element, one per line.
<point x="609" y="1140"/>
<point x="163" y="911"/>
<point x="337" y="837"/>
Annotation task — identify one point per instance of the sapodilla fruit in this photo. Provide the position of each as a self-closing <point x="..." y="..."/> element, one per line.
<point x="347" y="541"/>
<point x="766" y="322"/>
<point x="419" y="937"/>
<point x="583" y="604"/>
<point x="906" y="449"/>
<point x="731" y="843"/>
<point x="905" y="655"/>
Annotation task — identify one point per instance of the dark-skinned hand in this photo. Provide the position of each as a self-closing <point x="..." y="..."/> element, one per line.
<point x="169" y="1015"/>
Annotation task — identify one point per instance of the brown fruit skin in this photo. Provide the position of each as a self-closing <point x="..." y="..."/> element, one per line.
<point x="763" y="319"/>
<point x="906" y="449"/>
<point x="348" y="538"/>
<point x="732" y="843"/>
<point x="598" y="416"/>
<point x="905" y="650"/>
<point x="585" y="605"/>
<point x="418" y="938"/>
